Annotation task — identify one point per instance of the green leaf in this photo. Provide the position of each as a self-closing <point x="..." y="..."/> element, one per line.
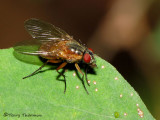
<point x="42" y="96"/>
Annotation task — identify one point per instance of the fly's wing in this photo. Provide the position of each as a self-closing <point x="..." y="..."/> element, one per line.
<point x="44" y="31"/>
<point x="30" y="47"/>
<point x="41" y="32"/>
<point x="28" y="51"/>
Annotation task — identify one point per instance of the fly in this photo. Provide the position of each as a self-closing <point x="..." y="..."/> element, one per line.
<point x="56" y="46"/>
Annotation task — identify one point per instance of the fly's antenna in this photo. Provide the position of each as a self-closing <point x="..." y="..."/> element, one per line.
<point x="80" y="41"/>
<point x="85" y="45"/>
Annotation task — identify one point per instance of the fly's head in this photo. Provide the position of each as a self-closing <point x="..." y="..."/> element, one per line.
<point x="88" y="58"/>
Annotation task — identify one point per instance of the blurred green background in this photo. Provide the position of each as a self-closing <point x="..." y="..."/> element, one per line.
<point x="124" y="32"/>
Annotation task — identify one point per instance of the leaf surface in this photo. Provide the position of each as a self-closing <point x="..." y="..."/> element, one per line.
<point x="42" y="96"/>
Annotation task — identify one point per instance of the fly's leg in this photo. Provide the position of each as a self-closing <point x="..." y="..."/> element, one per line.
<point x="61" y="66"/>
<point x="36" y="70"/>
<point x="86" y="69"/>
<point x="79" y="70"/>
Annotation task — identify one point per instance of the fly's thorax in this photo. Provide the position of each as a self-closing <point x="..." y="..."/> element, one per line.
<point x="76" y="51"/>
<point x="75" y="54"/>
<point x="75" y="47"/>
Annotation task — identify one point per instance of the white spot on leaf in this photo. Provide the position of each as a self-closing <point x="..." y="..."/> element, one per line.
<point x="116" y="78"/>
<point x="121" y="95"/>
<point x="74" y="74"/>
<point x="102" y="66"/>
<point x="125" y="114"/>
<point x="89" y="81"/>
<point x="140" y="113"/>
<point x="94" y="82"/>
<point x="96" y="89"/>
<point x="77" y="87"/>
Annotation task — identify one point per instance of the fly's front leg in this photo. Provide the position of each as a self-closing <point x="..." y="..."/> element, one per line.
<point x="79" y="70"/>
<point x="86" y="69"/>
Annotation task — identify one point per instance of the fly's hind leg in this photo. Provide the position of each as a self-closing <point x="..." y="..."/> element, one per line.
<point x="79" y="70"/>
<point x="61" y="66"/>
<point x="36" y="70"/>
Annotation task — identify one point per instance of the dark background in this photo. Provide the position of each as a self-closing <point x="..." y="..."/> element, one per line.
<point x="126" y="33"/>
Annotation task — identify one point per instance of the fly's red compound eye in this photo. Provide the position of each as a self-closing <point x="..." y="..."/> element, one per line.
<point x="90" y="49"/>
<point x="87" y="58"/>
